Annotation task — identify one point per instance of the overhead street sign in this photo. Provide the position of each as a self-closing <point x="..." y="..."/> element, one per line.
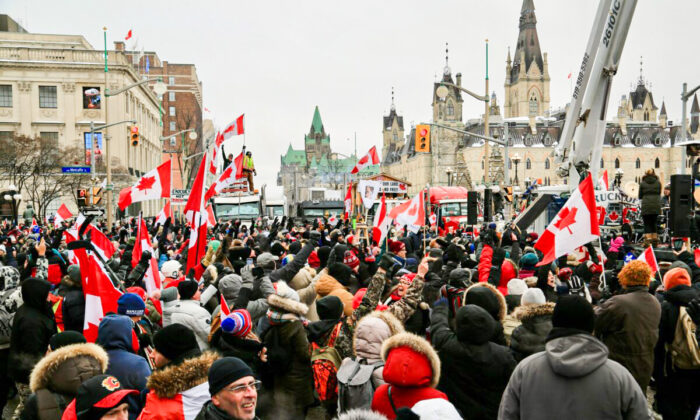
<point x="75" y="169"/>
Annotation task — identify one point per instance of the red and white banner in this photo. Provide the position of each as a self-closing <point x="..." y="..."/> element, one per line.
<point x="371" y="158"/>
<point x="164" y="213"/>
<point x="196" y="215"/>
<point x="410" y="213"/>
<point x="348" y="201"/>
<point x="233" y="172"/>
<point x="234" y="129"/>
<point x="225" y="311"/>
<point x="575" y="225"/>
<point x="153" y="185"/>
<point x="152" y="278"/>
<point x="211" y="219"/>
<point x="649" y="257"/>
<point x="61" y="214"/>
<point x="381" y="224"/>
<point x="215" y="151"/>
<point x="603" y="183"/>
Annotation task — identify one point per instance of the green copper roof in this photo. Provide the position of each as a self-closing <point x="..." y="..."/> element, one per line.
<point x="317" y="124"/>
<point x="293" y="157"/>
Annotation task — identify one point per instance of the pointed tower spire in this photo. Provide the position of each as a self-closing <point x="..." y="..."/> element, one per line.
<point x="393" y="106"/>
<point x="663" y="108"/>
<point x="528" y="42"/>
<point x="447" y="60"/>
<point x="641" y="71"/>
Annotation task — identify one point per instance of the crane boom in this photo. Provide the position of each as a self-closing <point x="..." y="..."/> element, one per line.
<point x="581" y="141"/>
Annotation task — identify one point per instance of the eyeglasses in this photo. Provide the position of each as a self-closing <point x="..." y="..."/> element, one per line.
<point x="242" y="388"/>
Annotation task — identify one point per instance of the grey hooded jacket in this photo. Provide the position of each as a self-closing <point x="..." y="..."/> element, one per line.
<point x="573" y="379"/>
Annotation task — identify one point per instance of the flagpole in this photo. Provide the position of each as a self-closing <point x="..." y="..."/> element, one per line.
<point x="602" y="274"/>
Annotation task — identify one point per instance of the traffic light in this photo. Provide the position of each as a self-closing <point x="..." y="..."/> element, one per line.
<point x="423" y="138"/>
<point x="134" y="135"/>
<point x="82" y="197"/>
<point x="96" y="195"/>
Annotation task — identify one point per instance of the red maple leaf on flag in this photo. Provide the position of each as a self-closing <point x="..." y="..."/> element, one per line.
<point x="613" y="216"/>
<point x="146" y="183"/>
<point x="568" y="218"/>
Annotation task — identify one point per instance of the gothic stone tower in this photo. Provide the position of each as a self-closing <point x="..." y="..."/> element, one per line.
<point x="392" y="131"/>
<point x="317" y="143"/>
<point x="527" y="75"/>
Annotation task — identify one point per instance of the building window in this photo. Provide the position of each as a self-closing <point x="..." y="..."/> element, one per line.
<point x="533" y="104"/>
<point x="6" y="135"/>
<point x="450" y="109"/>
<point x="172" y="126"/>
<point x="91" y="97"/>
<point x="6" y="96"/>
<point x="171" y="80"/>
<point x="171" y="96"/>
<point x="546" y="163"/>
<point x="172" y="111"/>
<point x="617" y="163"/>
<point x="657" y="163"/>
<point x="396" y="136"/>
<point x="49" y="144"/>
<point x="646" y="115"/>
<point x="638" y="164"/>
<point x="47" y="97"/>
<point x="528" y="164"/>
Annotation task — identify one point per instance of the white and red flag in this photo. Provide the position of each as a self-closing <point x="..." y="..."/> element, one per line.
<point x="381" y="224"/>
<point x="211" y="219"/>
<point x="225" y="311"/>
<point x="152" y="278"/>
<point x="100" y="293"/>
<point x="234" y="129"/>
<point x="348" y="201"/>
<point x="196" y="215"/>
<point x="164" y="213"/>
<point x="151" y="186"/>
<point x="233" y="172"/>
<point x="128" y="36"/>
<point x="410" y="213"/>
<point x="575" y="225"/>
<point x="217" y="145"/>
<point x="603" y="181"/>
<point x="649" y="257"/>
<point x="371" y="158"/>
<point x="62" y="214"/>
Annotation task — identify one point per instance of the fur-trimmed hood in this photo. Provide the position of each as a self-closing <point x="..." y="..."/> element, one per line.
<point x="371" y="332"/>
<point x="172" y="380"/>
<point x="63" y="370"/>
<point x="502" y="308"/>
<point x="528" y="312"/>
<point x="302" y="278"/>
<point x="286" y="300"/>
<point x="410" y="361"/>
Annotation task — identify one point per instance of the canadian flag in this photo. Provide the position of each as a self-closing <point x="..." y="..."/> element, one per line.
<point x="432" y="219"/>
<point x="211" y="219"/>
<point x="234" y="129"/>
<point x="233" y="172"/>
<point x="411" y="213"/>
<point x="152" y="278"/>
<point x="603" y="181"/>
<point x="100" y="294"/>
<point x="348" y="201"/>
<point x="575" y="225"/>
<point x="333" y="220"/>
<point x="217" y="144"/>
<point x="164" y="213"/>
<point x="34" y="223"/>
<point x="128" y="36"/>
<point x="381" y="223"/>
<point x="153" y="185"/>
<point x="649" y="257"/>
<point x="62" y="214"/>
<point x="371" y="158"/>
<point x="196" y="215"/>
<point x="225" y="311"/>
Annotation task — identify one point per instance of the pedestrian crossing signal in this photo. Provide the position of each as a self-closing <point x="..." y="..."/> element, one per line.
<point x="423" y="138"/>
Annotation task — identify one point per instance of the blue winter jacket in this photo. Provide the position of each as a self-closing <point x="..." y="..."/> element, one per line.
<point x="115" y="336"/>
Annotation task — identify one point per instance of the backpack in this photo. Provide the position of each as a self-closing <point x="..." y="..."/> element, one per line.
<point x="684" y="350"/>
<point x="325" y="362"/>
<point x="355" y="386"/>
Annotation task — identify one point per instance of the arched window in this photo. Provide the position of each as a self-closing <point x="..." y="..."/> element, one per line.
<point x="396" y="136"/>
<point x="617" y="163"/>
<point x="546" y="163"/>
<point x="602" y="163"/>
<point x="528" y="164"/>
<point x="533" y="104"/>
<point x="657" y="163"/>
<point x="450" y="109"/>
<point x="646" y="115"/>
<point x="637" y="164"/>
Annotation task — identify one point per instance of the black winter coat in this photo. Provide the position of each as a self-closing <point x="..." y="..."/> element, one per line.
<point x="74" y="309"/>
<point x="530" y="336"/>
<point x="650" y="194"/>
<point x="32" y="327"/>
<point x="475" y="372"/>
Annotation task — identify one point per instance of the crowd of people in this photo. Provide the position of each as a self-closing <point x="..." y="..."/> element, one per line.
<point x="290" y="321"/>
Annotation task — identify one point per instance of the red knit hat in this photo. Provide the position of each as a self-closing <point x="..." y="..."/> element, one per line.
<point x="676" y="277"/>
<point x="396" y="246"/>
<point x="351" y="260"/>
<point x="313" y="260"/>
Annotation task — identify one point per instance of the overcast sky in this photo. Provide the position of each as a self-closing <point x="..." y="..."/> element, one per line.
<point x="276" y="60"/>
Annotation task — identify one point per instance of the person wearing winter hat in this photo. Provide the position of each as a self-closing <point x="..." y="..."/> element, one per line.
<point x="677" y="386"/>
<point x="489" y="298"/>
<point x="574" y="363"/>
<point x="65" y="338"/>
<point x="411" y="372"/>
<point x="527" y="265"/>
<point x="179" y="383"/>
<point x="516" y="287"/>
<point x="189" y="312"/>
<point x="628" y="323"/>
<point x="535" y="318"/>
<point x="171" y="270"/>
<point x="101" y="397"/>
<point x="351" y="260"/>
<point x="233" y="389"/>
<point x="238" y="323"/>
<point x="398" y="248"/>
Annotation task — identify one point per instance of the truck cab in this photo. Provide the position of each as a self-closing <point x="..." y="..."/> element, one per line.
<point x="449" y="203"/>
<point x="235" y="203"/>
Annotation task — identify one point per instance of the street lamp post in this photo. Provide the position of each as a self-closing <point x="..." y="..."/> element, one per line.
<point x="685" y="95"/>
<point x="619" y="173"/>
<point x="449" y="176"/>
<point x="516" y="160"/>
